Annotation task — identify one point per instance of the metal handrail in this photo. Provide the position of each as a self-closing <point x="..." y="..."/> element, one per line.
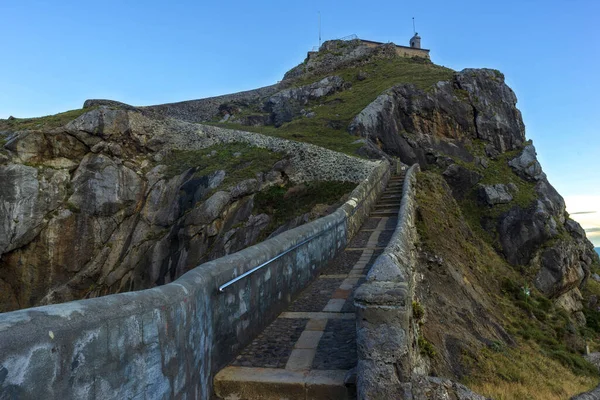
<point x="245" y="274"/>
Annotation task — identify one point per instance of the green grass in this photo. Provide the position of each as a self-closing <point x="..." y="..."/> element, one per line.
<point x="272" y="201"/>
<point x="47" y="122"/>
<point x="425" y="347"/>
<point x="497" y="172"/>
<point x="334" y="113"/>
<point x="246" y="165"/>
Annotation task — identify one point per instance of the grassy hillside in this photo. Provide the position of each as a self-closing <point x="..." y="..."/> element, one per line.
<point x="46" y="122"/>
<point x="484" y="327"/>
<point x="334" y="113"/>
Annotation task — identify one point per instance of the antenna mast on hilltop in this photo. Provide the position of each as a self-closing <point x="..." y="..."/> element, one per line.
<point x="414" y="30"/>
<point x="319" y="29"/>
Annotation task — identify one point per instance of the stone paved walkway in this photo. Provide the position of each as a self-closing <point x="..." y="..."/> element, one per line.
<point x="309" y="351"/>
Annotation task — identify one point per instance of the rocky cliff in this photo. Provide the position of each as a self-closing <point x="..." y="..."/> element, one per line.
<point x="507" y="266"/>
<point x="470" y="130"/>
<point x="115" y="200"/>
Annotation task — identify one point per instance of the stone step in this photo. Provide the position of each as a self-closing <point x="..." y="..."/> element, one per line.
<point x="384" y="214"/>
<point x="247" y="383"/>
<point x="388" y="204"/>
<point x="394" y="209"/>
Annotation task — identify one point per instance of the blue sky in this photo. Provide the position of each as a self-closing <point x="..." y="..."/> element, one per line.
<point x="57" y="54"/>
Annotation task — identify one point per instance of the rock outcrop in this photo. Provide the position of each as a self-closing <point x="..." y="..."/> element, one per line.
<point x="464" y="126"/>
<point x="93" y="208"/>
<point x="417" y="125"/>
<point x="336" y="54"/>
<point x="286" y="104"/>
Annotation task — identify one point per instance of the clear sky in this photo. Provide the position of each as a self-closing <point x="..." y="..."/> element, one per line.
<point x="56" y="54"/>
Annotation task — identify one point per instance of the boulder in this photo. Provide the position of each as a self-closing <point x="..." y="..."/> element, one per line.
<point x="522" y="230"/>
<point x="526" y="164"/>
<point x="561" y="269"/>
<point x="103" y="187"/>
<point x="209" y="210"/>
<point x="288" y="103"/>
<point x="494" y="194"/>
<point x="28" y="194"/>
<point x="461" y="180"/>
<point x="244" y="188"/>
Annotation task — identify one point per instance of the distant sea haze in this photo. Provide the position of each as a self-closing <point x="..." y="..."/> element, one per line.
<point x="598" y="250"/>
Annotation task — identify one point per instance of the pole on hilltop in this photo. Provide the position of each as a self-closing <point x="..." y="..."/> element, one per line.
<point x="319" y="29"/>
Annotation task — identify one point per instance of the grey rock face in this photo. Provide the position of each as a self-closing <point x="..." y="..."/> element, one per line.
<point x="98" y="215"/>
<point x="435" y="128"/>
<point x="27" y="196"/>
<point x="522" y="231"/>
<point x="288" y="103"/>
<point x="335" y="54"/>
<point x="401" y="116"/>
<point x="244" y="188"/>
<point x="461" y="179"/>
<point x="526" y="164"/>
<point x="561" y="268"/>
<point x="494" y="194"/>
<point x="497" y="119"/>
<point x="429" y="387"/>
<point x="102" y="187"/>
<point x="209" y="210"/>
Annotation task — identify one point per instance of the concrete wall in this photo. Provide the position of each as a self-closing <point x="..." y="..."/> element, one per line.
<point x="169" y="341"/>
<point x="402" y="51"/>
<point x="308" y="161"/>
<point x="386" y="333"/>
<point x="411" y="52"/>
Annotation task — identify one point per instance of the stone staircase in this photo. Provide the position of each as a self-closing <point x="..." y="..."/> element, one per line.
<point x="309" y="351"/>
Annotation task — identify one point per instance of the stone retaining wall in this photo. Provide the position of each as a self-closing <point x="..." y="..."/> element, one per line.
<point x="386" y="333"/>
<point x="169" y="341"/>
<point x="308" y="161"/>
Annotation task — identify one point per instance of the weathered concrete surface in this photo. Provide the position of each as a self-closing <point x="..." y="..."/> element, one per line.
<point x="386" y="339"/>
<point x="167" y="342"/>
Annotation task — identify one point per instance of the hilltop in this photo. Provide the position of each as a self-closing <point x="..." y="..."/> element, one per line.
<point x="505" y="301"/>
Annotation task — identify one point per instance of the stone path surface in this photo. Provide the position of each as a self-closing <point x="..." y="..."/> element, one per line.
<point x="309" y="351"/>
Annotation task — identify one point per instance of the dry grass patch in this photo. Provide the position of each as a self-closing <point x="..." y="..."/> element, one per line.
<point x="524" y="373"/>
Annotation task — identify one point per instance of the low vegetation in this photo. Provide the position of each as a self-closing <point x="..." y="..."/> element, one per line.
<point x="543" y="358"/>
<point x="282" y="206"/>
<point x="333" y="114"/>
<point x="497" y="172"/>
<point x="240" y="161"/>
<point x="47" y="122"/>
